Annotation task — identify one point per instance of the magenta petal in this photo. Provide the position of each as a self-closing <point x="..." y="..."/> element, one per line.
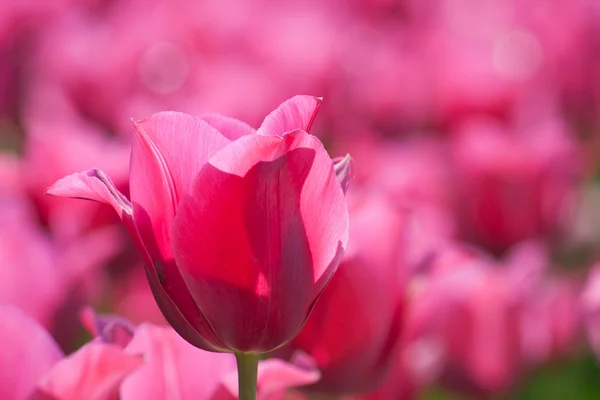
<point x="173" y="369"/>
<point x="295" y="113"/>
<point x="250" y="243"/>
<point x="231" y="128"/>
<point x="28" y="353"/>
<point x="94" y="372"/>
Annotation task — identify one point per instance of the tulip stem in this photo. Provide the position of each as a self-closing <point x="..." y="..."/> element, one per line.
<point x="247" y="365"/>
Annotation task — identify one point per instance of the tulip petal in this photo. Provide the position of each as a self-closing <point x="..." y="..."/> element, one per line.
<point x="93" y="185"/>
<point x="182" y="314"/>
<point x="231" y="128"/>
<point x="181" y="144"/>
<point x="250" y="243"/>
<point x="295" y="113"/>
<point x="173" y="368"/>
<point x="93" y="372"/>
<point x="29" y="352"/>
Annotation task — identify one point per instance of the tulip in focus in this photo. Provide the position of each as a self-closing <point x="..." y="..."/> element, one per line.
<point x="240" y="229"/>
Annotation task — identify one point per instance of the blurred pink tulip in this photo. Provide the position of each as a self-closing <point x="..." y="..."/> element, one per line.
<point x="468" y="306"/>
<point x="514" y="185"/>
<point x="33" y="368"/>
<point x="198" y="189"/>
<point x="355" y="325"/>
<point x="29" y="353"/>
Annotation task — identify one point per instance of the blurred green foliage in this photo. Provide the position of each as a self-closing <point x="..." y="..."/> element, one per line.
<point x="573" y="379"/>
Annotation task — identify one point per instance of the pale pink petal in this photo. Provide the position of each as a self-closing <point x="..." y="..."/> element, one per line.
<point x="94" y="372"/>
<point x="295" y="113"/>
<point x="173" y="368"/>
<point x="28" y="353"/>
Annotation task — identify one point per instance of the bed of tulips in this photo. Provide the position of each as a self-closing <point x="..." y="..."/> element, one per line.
<point x="300" y="200"/>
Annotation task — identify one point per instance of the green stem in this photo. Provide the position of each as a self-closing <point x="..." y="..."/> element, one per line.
<point x="247" y="364"/>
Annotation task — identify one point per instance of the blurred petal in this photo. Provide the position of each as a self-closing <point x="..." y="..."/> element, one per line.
<point x="173" y="368"/>
<point x="108" y="328"/>
<point x="343" y="171"/>
<point x="295" y="113"/>
<point x="29" y="352"/>
<point x="253" y="211"/>
<point x="275" y="376"/>
<point x="94" y="372"/>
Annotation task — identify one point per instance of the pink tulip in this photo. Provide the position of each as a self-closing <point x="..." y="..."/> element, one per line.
<point x="226" y="219"/>
<point x="355" y="325"/>
<point x="514" y="184"/>
<point x="469" y="307"/>
<point x="32" y="366"/>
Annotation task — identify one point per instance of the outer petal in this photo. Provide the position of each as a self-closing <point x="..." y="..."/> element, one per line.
<point x="231" y="128"/>
<point x="173" y="370"/>
<point x="94" y="185"/>
<point x="180" y="311"/>
<point x="94" y="372"/>
<point x="295" y="113"/>
<point x="29" y="352"/>
<point x="253" y="248"/>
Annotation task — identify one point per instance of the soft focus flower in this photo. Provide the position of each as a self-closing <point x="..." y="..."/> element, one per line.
<point x="514" y="184"/>
<point x="236" y="252"/>
<point x="174" y="369"/>
<point x="33" y="367"/>
<point x="353" y="330"/>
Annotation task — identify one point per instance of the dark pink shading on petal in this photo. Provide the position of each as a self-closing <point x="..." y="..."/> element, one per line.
<point x="253" y="248"/>
<point x="295" y="113"/>
<point x="29" y="352"/>
<point x="94" y="372"/>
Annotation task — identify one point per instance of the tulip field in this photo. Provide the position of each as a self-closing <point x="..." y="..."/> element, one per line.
<point x="300" y="200"/>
